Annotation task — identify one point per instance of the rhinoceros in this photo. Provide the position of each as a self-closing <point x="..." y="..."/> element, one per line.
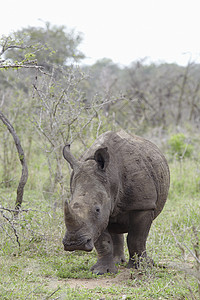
<point x="119" y="185"/>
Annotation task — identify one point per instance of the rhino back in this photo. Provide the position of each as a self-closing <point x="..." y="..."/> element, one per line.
<point x="138" y="172"/>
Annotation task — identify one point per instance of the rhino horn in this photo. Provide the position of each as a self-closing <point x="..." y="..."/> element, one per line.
<point x="70" y="218"/>
<point x="74" y="163"/>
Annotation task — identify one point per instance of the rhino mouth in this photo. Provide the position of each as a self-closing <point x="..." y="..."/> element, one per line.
<point x="74" y="245"/>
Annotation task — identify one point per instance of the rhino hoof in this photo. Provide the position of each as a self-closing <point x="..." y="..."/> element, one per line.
<point x="99" y="269"/>
<point x="119" y="260"/>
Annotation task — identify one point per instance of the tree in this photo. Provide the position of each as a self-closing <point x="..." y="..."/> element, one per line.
<point x="24" y="176"/>
<point x="23" y="51"/>
<point x="49" y="45"/>
<point x="61" y="115"/>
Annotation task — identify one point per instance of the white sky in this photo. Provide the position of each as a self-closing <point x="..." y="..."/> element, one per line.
<point x="123" y="30"/>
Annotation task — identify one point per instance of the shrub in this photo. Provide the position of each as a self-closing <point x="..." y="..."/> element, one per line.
<point x="179" y="146"/>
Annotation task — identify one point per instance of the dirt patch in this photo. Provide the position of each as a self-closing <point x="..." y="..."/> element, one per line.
<point x="123" y="276"/>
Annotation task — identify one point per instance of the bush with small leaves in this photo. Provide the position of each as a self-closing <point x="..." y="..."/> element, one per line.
<point x="179" y="146"/>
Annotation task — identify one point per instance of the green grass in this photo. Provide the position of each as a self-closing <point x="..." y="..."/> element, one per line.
<point x="33" y="264"/>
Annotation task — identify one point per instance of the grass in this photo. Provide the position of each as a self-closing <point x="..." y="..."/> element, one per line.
<point x="33" y="264"/>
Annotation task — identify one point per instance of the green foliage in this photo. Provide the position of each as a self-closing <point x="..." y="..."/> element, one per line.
<point x="185" y="179"/>
<point x="39" y="266"/>
<point x="48" y="45"/>
<point x="179" y="146"/>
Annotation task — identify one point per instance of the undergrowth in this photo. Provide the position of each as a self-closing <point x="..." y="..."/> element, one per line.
<point x="33" y="264"/>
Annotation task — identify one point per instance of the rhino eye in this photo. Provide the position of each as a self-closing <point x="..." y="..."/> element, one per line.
<point x="97" y="210"/>
<point x="76" y="205"/>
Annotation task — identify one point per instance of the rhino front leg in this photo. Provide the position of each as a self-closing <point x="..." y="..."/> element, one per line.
<point x="105" y="262"/>
<point x="118" y="248"/>
<point x="139" y="226"/>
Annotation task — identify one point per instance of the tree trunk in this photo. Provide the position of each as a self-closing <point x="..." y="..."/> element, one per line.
<point x="24" y="176"/>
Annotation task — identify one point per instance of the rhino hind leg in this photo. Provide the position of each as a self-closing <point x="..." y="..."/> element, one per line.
<point x="105" y="262"/>
<point x="118" y="248"/>
<point x="139" y="226"/>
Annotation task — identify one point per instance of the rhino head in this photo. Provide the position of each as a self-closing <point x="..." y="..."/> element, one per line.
<point x="87" y="214"/>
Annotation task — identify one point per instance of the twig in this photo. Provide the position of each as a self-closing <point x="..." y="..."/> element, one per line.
<point x="52" y="294"/>
<point x="7" y="233"/>
<point x="18" y="66"/>
<point x="184" y="268"/>
<point x="5" y="47"/>
<point x="190" y="288"/>
<point x="7" y="181"/>
<point x="99" y="125"/>
<point x="83" y="127"/>
<point x="21" y="210"/>
<point x="178" y="243"/>
<point x="24" y="175"/>
<point x="11" y="224"/>
<point x="192" y="253"/>
<point x="32" y="291"/>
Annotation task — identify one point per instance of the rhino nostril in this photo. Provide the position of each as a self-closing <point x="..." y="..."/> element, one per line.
<point x="88" y="241"/>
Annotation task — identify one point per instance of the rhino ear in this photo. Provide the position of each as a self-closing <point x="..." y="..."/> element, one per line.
<point x="102" y="157"/>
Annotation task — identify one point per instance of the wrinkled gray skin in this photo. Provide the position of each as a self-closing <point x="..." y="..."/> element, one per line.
<point x="119" y="185"/>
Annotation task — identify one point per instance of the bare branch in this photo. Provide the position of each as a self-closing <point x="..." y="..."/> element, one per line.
<point x="52" y="293"/>
<point x="14" y="229"/>
<point x="20" y="65"/>
<point x="24" y="176"/>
